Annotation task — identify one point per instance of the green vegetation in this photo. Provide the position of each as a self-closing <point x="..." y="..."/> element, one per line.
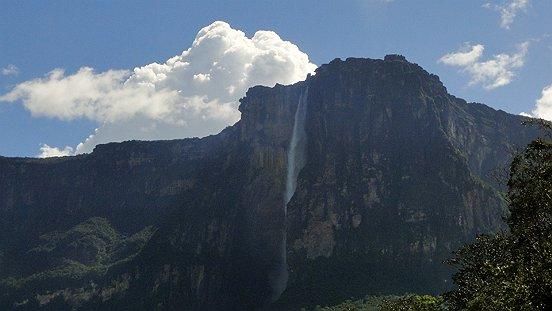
<point x="513" y="271"/>
<point x="415" y="302"/>
<point x="504" y="271"/>
<point x="369" y="303"/>
<point x="72" y="260"/>
<point x="390" y="303"/>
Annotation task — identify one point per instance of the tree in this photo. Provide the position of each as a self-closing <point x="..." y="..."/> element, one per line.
<point x="513" y="271"/>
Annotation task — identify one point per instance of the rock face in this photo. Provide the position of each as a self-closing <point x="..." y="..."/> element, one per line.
<point x="396" y="177"/>
<point x="395" y="180"/>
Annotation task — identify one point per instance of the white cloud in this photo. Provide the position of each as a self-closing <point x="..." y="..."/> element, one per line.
<point x="493" y="73"/>
<point x="192" y="94"/>
<point x="464" y="57"/>
<point x="48" y="152"/>
<point x="543" y="107"/>
<point x="509" y="11"/>
<point x="10" y="70"/>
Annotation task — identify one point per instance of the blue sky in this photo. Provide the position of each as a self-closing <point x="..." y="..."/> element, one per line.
<point x="37" y="37"/>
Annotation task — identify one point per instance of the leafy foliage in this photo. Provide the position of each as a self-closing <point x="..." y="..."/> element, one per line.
<point x="415" y="303"/>
<point x="390" y="303"/>
<point x="513" y="271"/>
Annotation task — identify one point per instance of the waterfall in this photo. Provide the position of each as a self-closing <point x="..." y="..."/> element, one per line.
<point x="295" y="162"/>
<point x="296" y="151"/>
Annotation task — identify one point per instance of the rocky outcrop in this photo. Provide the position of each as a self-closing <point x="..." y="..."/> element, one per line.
<point x="395" y="179"/>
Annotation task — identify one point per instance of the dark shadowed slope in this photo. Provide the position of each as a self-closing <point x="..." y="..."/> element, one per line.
<point x="396" y="176"/>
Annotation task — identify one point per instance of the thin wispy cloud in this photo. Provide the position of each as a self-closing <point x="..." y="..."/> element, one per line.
<point x="10" y="70"/>
<point x="192" y="94"/>
<point x="492" y="73"/>
<point x="509" y="10"/>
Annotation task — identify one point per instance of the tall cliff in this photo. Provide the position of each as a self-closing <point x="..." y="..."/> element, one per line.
<point x="395" y="177"/>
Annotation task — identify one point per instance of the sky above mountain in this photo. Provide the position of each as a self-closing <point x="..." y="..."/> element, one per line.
<point x="75" y="74"/>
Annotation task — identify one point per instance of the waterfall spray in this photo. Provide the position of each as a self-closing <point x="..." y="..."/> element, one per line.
<point x="295" y="162"/>
<point x="296" y="151"/>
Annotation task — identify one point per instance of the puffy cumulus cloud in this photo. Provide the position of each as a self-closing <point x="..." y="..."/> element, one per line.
<point x="493" y="73"/>
<point x="509" y="11"/>
<point x="48" y="152"/>
<point x="192" y="94"/>
<point x="100" y="97"/>
<point x="543" y="106"/>
<point x="10" y="70"/>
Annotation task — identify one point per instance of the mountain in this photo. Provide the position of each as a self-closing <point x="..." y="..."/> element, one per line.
<point x="385" y="173"/>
